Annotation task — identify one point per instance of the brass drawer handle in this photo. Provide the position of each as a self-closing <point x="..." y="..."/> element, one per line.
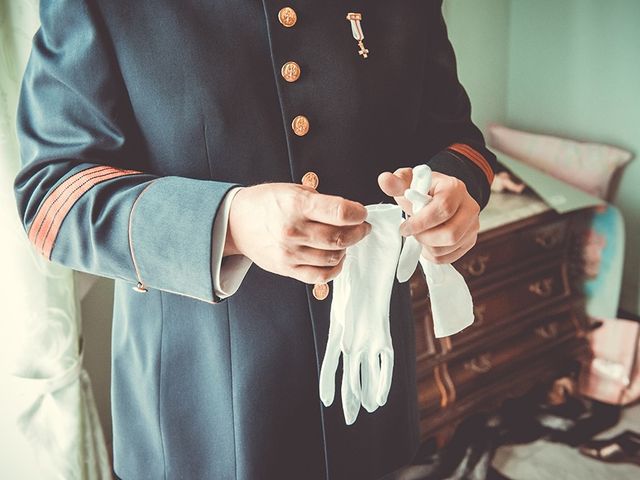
<point x="481" y="364"/>
<point x="548" y="240"/>
<point x="477" y="265"/>
<point x="548" y="331"/>
<point x="479" y="312"/>
<point x="543" y="288"/>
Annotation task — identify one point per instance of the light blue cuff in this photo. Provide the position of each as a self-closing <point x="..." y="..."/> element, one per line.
<point x="170" y="235"/>
<point x="228" y="272"/>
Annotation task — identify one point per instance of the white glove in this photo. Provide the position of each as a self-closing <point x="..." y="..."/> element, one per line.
<point x="419" y="197"/>
<point x="451" y="302"/>
<point x="359" y="328"/>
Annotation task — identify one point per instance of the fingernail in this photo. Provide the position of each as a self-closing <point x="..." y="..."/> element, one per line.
<point x="404" y="230"/>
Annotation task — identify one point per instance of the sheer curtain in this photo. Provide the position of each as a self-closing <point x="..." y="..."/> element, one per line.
<point x="49" y="427"/>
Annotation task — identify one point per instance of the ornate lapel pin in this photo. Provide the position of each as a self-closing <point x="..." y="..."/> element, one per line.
<point x="358" y="34"/>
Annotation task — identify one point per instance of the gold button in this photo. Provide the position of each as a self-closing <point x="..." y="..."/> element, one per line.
<point x="290" y="71"/>
<point x="300" y="125"/>
<point x="321" y="291"/>
<point x="287" y="17"/>
<point x="310" y="179"/>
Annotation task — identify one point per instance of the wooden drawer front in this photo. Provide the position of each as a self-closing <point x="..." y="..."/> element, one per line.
<point x="425" y="339"/>
<point x="425" y="344"/>
<point x="490" y="393"/>
<point x="472" y="372"/>
<point x="515" y="299"/>
<point x="431" y="393"/>
<point x="491" y="256"/>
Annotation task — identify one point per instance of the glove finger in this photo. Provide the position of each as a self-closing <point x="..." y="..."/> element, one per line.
<point x="433" y="273"/>
<point x="350" y="404"/>
<point x="408" y="261"/>
<point x="370" y="373"/>
<point x="417" y="199"/>
<point x="329" y="367"/>
<point x="386" y="374"/>
<point x="451" y="301"/>
<point x="421" y="178"/>
<point x="354" y="376"/>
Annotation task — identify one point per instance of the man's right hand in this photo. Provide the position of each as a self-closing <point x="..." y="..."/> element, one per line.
<point x="294" y="231"/>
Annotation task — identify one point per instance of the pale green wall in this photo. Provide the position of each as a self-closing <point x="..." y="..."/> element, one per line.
<point x="479" y="32"/>
<point x="564" y="67"/>
<point x="574" y="70"/>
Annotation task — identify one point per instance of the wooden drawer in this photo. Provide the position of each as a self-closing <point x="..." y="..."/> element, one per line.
<point x="494" y="306"/>
<point x="425" y="338"/>
<point x="563" y="359"/>
<point x="425" y="344"/>
<point x="514" y="299"/>
<point x="469" y="373"/>
<point x="492" y="256"/>
<point x="432" y="394"/>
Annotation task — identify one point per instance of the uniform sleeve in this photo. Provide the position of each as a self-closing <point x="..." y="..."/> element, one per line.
<point x="457" y="145"/>
<point x="228" y="272"/>
<point x="84" y="195"/>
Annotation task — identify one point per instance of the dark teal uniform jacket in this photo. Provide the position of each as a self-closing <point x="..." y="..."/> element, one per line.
<point x="136" y="118"/>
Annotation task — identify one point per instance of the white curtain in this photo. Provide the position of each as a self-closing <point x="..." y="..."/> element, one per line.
<point x="49" y="426"/>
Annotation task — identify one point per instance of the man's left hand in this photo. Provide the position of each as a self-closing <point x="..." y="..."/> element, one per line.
<point x="448" y="226"/>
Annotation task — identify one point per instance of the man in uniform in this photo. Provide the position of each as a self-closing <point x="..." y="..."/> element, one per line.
<point x="214" y="157"/>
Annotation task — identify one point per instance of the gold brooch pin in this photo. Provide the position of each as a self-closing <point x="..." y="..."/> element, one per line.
<point x="358" y="34"/>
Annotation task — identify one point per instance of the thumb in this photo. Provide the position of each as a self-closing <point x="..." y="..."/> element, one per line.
<point x="395" y="184"/>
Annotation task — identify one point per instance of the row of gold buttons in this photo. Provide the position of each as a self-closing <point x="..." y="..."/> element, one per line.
<point x="291" y="72"/>
<point x="320" y="290"/>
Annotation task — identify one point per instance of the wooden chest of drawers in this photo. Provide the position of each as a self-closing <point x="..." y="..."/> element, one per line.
<point x="525" y="276"/>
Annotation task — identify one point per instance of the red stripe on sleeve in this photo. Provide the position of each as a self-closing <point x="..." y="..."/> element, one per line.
<point x="475" y="157"/>
<point x="45" y="228"/>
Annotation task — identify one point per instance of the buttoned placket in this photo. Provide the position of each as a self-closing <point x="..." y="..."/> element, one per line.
<point x="285" y="26"/>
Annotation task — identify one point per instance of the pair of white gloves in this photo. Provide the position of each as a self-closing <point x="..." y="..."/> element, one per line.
<point x="359" y="324"/>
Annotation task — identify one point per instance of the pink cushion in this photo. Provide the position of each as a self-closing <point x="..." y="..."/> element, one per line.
<point x="587" y="166"/>
<point x="614" y="373"/>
